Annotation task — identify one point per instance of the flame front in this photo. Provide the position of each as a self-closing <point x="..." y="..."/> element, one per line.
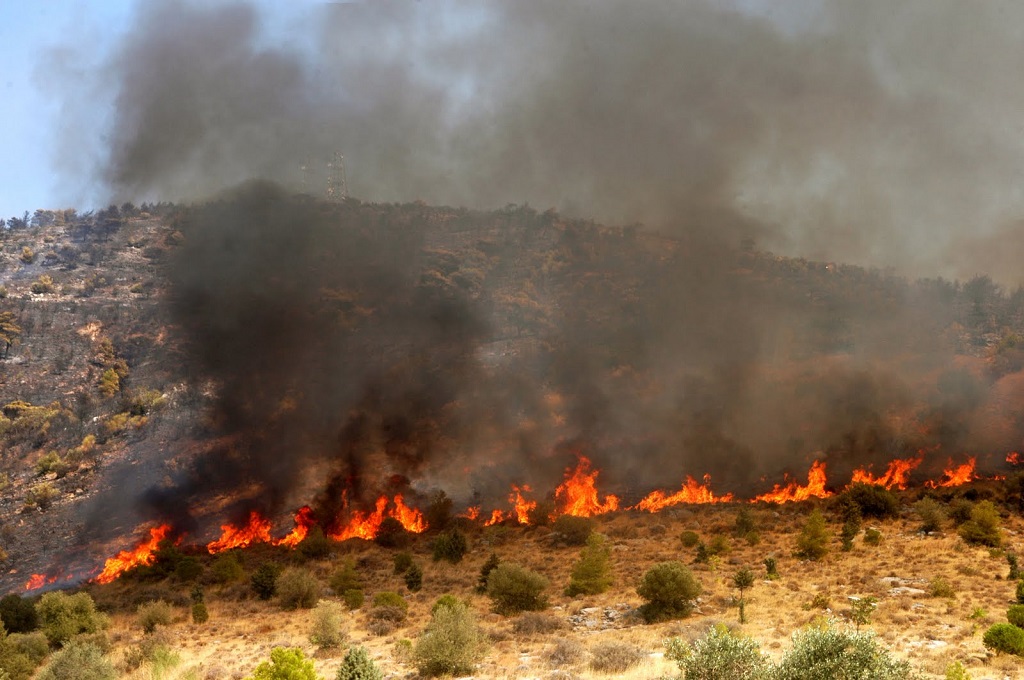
<point x="1014" y="458"/>
<point x="366" y="524"/>
<point x="793" y="492"/>
<point x="35" y="581"/>
<point x="141" y="555"/>
<point x="896" y="475"/>
<point x="256" y="531"/>
<point x="303" y="523"/>
<point x="956" y="475"/>
<point x="577" y="495"/>
<point x="692" y="492"/>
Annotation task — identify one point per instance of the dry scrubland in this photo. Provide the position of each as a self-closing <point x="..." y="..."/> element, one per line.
<point x="930" y="631"/>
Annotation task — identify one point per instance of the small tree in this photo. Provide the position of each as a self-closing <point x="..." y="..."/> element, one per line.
<point x="452" y="643"/>
<point x="485" y="571"/>
<point x="62" y="616"/>
<point x="861" y="609"/>
<point x="931" y="514"/>
<point x="670" y="590"/>
<point x="328" y="631"/>
<point x="298" y="588"/>
<point x="1005" y="638"/>
<point x="450" y="546"/>
<point x="1014" y="575"/>
<point x="513" y="589"/>
<point x="264" y="580"/>
<point x="414" y="578"/>
<point x="828" y="653"/>
<point x="358" y="665"/>
<point x="78" y="660"/>
<point x="591" y="575"/>
<point x="771" y="567"/>
<point x="719" y="656"/>
<point x="743" y="580"/>
<point x="153" y="614"/>
<point x="286" y="663"/>
<point x="983" y="526"/>
<point x="812" y="543"/>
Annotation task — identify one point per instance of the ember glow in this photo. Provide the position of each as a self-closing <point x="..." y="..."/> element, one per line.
<point x="366" y="524"/>
<point x="35" y="581"/>
<point x="128" y="559"/>
<point x="691" y="493"/>
<point x="956" y="475"/>
<point x="577" y="495"/>
<point x="792" y="492"/>
<point x="1014" y="458"/>
<point x="896" y="475"/>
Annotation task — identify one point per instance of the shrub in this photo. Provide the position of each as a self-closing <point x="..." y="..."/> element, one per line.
<point x="315" y="546"/>
<point x="200" y="614"/>
<point x="226" y="568"/>
<point x="451" y="644"/>
<point x="1004" y="638"/>
<point x="485" y="571"/>
<point x="52" y="462"/>
<point x="18" y="614"/>
<point x="591" y="575"/>
<point x="414" y="578"/>
<point x="1015" y="615"/>
<point x="812" y="543"/>
<point x="80" y="661"/>
<point x="931" y="515"/>
<point x="353" y="598"/>
<point x="1020" y="591"/>
<point x="345" y="578"/>
<point x="745" y="523"/>
<point x="327" y="631"/>
<point x="285" y="664"/>
<point x="536" y="623"/>
<point x="42" y="285"/>
<point x="669" y="589"/>
<point x="63" y="616"/>
<point x="960" y="511"/>
<point x="743" y="580"/>
<point x="615" y="657"/>
<point x="861" y="609"/>
<point x="41" y="496"/>
<point x="264" y="580"/>
<point x="1014" y="574"/>
<point x="940" y="587"/>
<point x="565" y="652"/>
<point x="358" y="665"/>
<point x="771" y="568"/>
<point x="153" y="614"/>
<point x="439" y="511"/>
<point x="718" y="545"/>
<point x="391" y="534"/>
<point x="983" y="526"/>
<point x="110" y="383"/>
<point x="515" y="589"/>
<point x="872" y="500"/>
<point x="450" y="546"/>
<point x="32" y="645"/>
<point x="402" y="561"/>
<point x="872" y="536"/>
<point x="851" y="527"/>
<point x="689" y="539"/>
<point x="956" y="671"/>
<point x="827" y="653"/>
<point x="27" y="256"/>
<point x="298" y="588"/>
<point x="383" y="620"/>
<point x="718" y="654"/>
<point x="573" y="530"/>
<point x="188" y="569"/>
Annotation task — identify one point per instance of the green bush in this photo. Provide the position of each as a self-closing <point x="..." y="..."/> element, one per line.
<point x="264" y="580"/>
<point x="851" y="527"/>
<point x="345" y="578"/>
<point x="485" y="572"/>
<point x="298" y="588"/>
<point x="615" y="657"/>
<point x="1020" y="591"/>
<point x="573" y="530"/>
<point x="771" y="568"/>
<point x="414" y="578"/>
<point x="689" y="539"/>
<point x="940" y="587"/>
<point x="591" y="574"/>
<point x="226" y="569"/>
<point x="1015" y="615"/>
<point x="153" y="614"/>
<point x="983" y="526"/>
<point x="33" y="645"/>
<point x="1005" y="638"/>
<point x="452" y="643"/>
<point x="719" y="655"/>
<point x="315" y="546"/>
<point x="18" y="614"/>
<point x="188" y="569"/>
<point x="931" y="514"/>
<point x="513" y="589"/>
<point x="328" y="631"/>
<point x="200" y="614"/>
<point x="827" y="654"/>
<point x="450" y="546"/>
<point x="285" y="664"/>
<point x="62" y="616"/>
<point x="353" y="598"/>
<point x="402" y="562"/>
<point x="956" y="671"/>
<point x="41" y="496"/>
<point x="391" y="534"/>
<point x="79" y="661"/>
<point x="439" y="511"/>
<point x="872" y="500"/>
<point x="812" y="543"/>
<point x="358" y="665"/>
<point x="872" y="536"/>
<point x="390" y="599"/>
<point x="669" y="589"/>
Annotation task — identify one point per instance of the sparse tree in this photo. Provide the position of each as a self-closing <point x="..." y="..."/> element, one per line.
<point x="743" y="580"/>
<point x="10" y="331"/>
<point x="812" y="543"/>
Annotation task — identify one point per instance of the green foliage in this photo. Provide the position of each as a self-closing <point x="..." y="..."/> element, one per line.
<point x="18" y="614"/>
<point x="861" y="609"/>
<point x="931" y="514"/>
<point x="264" y="580"/>
<point x="573" y="530"/>
<point x="153" y="614"/>
<point x="226" y="568"/>
<point x="358" y="665"/>
<point x="450" y="546"/>
<point x="485" y="571"/>
<point x="41" y="496"/>
<point x="298" y="588"/>
<point x="52" y="462"/>
<point x="1014" y="574"/>
<point x="669" y="589"/>
<point x="328" y="631"/>
<point x="452" y="643"/>
<point x="745" y="523"/>
<point x="615" y="657"/>
<point x="718" y="655"/>
<point x="414" y="578"/>
<point x="200" y="614"/>
<point x="390" y="599"/>
<point x="27" y="256"/>
<point x="110" y="383"/>
<point x="871" y="500"/>
<point x="743" y="580"/>
<point x="316" y="546"/>
<point x="591" y="574"/>
<point x="391" y="534"/>
<point x="1020" y="591"/>
<point x="285" y="664"/>
<point x="1004" y="638"/>
<point x="983" y="526"/>
<point x="940" y="587"/>
<point x="42" y="285"/>
<point x="402" y="562"/>
<point x="812" y="543"/>
<point x="829" y="654"/>
<point x="188" y="569"/>
<point x="1015" y="615"/>
<point x="851" y="527"/>
<point x="513" y="589"/>
<point x="689" y="539"/>
<point x="353" y="598"/>
<point x="956" y="671"/>
<point x="439" y="511"/>
<point x="771" y="568"/>
<point x="345" y="578"/>
<point x="872" y="536"/>
<point x="62" y="616"/>
<point x="81" y="661"/>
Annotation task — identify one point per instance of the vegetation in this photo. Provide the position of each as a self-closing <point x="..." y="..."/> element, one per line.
<point x="357" y="665"/>
<point x="827" y="653"/>
<point x="983" y="528"/>
<point x="669" y="590"/>
<point x="452" y="643"/>
<point x="414" y="578"/>
<point x="513" y="589"/>
<point x="153" y="614"/>
<point x="931" y="514"/>
<point x="591" y="575"/>
<point x="328" y="630"/>
<point x="615" y="657"/>
<point x="485" y="572"/>
<point x="743" y="580"/>
<point x="264" y="580"/>
<point x="812" y="543"/>
<point x="1005" y="638"/>
<point x="573" y="530"/>
<point x="285" y="664"/>
<point x="81" y="661"/>
<point x="298" y="588"/>
<point x="63" y="616"/>
<point x="451" y="546"/>
<point x="718" y="655"/>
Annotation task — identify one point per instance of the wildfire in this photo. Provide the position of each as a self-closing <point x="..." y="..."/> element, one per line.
<point x="366" y="524"/>
<point x="956" y="475"/>
<point x="896" y="475"/>
<point x="497" y="517"/>
<point x="303" y="523"/>
<point x="577" y="495"/>
<point x="794" y="492"/>
<point x="521" y="508"/>
<point x="256" y="531"/>
<point x="692" y="492"/>
<point x="141" y="555"/>
<point x="1014" y="458"/>
<point x="472" y="513"/>
<point x="35" y="581"/>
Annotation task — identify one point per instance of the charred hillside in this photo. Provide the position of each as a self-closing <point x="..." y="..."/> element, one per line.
<point x="267" y="350"/>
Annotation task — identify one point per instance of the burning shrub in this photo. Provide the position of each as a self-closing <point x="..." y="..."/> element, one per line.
<point x="63" y="616"/>
<point x="831" y="653"/>
<point x="18" y="614"/>
<point x="154" y="614"/>
<point x="414" y="578"/>
<point x="1004" y="638"/>
<point x="450" y="546"/>
<point x="452" y="643"/>
<point x="931" y="514"/>
<point x="391" y="534"/>
<point x="264" y="580"/>
<point x="718" y="655"/>
<point x="669" y="589"/>
<point x="298" y="588"/>
<point x="82" y="661"/>
<point x="872" y="500"/>
<point x="983" y="526"/>
<point x="572" y="530"/>
<point x="327" y="631"/>
<point x="515" y="589"/>
<point x="615" y="657"/>
<point x="591" y="575"/>
<point x="540" y="514"/>
<point x="485" y="571"/>
<point x="286" y="663"/>
<point x="812" y="543"/>
<point x="358" y="665"/>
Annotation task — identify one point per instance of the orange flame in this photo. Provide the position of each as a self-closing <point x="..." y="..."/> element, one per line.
<point x="411" y="518"/>
<point x="692" y="492"/>
<point x="141" y="555"/>
<point x="1014" y="458"/>
<point x="956" y="475"/>
<point x="303" y="523"/>
<point x="472" y="513"/>
<point x="896" y="475"/>
<point x="497" y="517"/>
<point x="366" y="524"/>
<point x="256" y="531"/>
<point x="578" y="493"/>
<point x="35" y="581"/>
<point x="794" y="492"/>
